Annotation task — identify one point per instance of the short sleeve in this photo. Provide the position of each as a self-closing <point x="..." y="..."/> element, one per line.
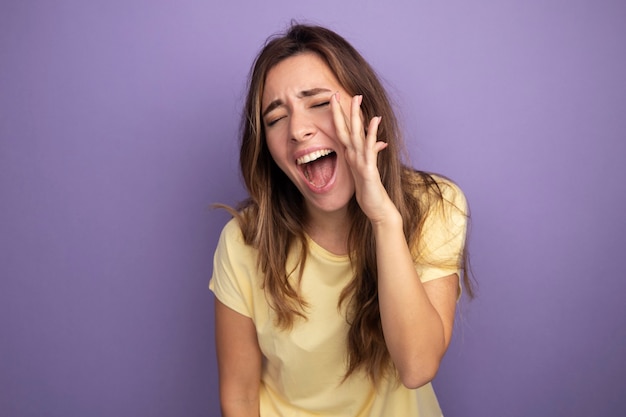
<point x="234" y="267"/>
<point x="440" y="248"/>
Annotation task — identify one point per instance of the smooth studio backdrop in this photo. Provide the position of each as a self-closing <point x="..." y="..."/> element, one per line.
<point x="118" y="129"/>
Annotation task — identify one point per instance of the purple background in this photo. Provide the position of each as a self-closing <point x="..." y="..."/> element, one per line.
<point x="118" y="127"/>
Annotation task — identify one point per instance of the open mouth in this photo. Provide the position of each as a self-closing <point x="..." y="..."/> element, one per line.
<point x="318" y="167"/>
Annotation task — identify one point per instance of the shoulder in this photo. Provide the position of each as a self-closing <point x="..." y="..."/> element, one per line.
<point x="232" y="230"/>
<point x="435" y="191"/>
<point x="231" y="233"/>
<point x="451" y="194"/>
<point x="232" y="243"/>
<point x="439" y="248"/>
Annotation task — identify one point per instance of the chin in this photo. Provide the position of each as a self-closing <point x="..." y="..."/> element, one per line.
<point x="330" y="204"/>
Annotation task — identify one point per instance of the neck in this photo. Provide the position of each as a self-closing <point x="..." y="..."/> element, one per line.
<point x="329" y="230"/>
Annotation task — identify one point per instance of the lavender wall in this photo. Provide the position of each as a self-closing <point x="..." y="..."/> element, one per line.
<point x="118" y="125"/>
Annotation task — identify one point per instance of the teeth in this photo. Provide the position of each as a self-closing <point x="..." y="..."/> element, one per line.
<point x="313" y="156"/>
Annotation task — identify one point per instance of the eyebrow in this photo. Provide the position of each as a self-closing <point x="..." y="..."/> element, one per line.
<point x="305" y="93"/>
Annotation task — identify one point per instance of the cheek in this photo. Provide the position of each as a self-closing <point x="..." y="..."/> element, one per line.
<point x="326" y="124"/>
<point x="278" y="150"/>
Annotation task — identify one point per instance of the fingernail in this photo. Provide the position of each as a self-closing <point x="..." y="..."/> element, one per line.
<point x="360" y="98"/>
<point x="337" y="96"/>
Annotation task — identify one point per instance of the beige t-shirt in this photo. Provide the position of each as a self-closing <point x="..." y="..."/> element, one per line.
<point x="303" y="367"/>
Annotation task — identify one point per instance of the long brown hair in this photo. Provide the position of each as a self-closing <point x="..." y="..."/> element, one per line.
<point x="272" y="220"/>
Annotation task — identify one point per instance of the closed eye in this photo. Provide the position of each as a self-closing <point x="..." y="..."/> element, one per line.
<point x="272" y="122"/>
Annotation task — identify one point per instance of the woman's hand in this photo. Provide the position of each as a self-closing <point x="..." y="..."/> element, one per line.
<point x="361" y="152"/>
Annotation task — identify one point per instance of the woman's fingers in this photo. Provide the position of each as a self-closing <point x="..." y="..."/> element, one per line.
<point x="363" y="144"/>
<point x="372" y="136"/>
<point x="341" y="121"/>
<point x="356" y="123"/>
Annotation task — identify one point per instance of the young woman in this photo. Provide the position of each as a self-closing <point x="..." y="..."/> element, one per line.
<point x="337" y="280"/>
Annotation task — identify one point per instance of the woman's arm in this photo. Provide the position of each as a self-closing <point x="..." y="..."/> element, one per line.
<point x="417" y="319"/>
<point x="239" y="362"/>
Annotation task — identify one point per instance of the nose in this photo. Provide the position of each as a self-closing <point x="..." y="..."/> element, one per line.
<point x="301" y="127"/>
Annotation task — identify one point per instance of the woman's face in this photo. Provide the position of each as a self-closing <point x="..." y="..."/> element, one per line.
<point x="300" y="131"/>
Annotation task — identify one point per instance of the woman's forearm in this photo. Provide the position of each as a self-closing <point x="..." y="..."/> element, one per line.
<point x="413" y="328"/>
